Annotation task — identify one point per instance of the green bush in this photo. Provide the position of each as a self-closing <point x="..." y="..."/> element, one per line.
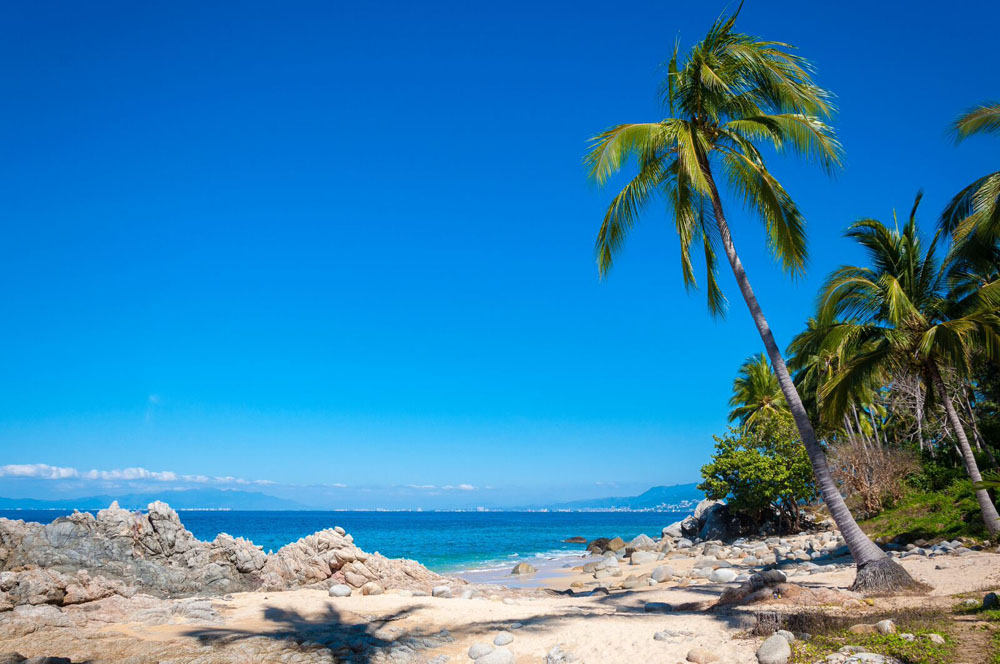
<point x="761" y="471"/>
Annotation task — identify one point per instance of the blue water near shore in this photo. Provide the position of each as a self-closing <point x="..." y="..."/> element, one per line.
<point x="443" y="541"/>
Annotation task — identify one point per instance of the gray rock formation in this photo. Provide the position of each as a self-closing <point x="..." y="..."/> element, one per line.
<point x="82" y="558"/>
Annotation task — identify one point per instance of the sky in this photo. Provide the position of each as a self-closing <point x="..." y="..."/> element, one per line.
<point x="343" y="252"/>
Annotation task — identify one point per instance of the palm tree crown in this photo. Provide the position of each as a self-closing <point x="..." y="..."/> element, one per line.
<point x="899" y="314"/>
<point x="732" y="95"/>
<point x="756" y="392"/>
<point x="973" y="215"/>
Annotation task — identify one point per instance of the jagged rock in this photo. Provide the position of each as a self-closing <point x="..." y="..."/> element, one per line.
<point x="83" y="558"/>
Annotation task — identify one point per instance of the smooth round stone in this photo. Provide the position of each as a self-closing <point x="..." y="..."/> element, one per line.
<point x="477" y="650"/>
<point x="340" y="590"/>
<point x="503" y="639"/>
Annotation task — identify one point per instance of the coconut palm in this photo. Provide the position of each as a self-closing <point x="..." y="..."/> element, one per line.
<point x="899" y="316"/>
<point x="756" y="392"/>
<point x="729" y="98"/>
<point x="973" y="215"/>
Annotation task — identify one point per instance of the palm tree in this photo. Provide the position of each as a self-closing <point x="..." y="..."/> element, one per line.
<point x="755" y="392"/>
<point x="900" y="317"/>
<point x="730" y="94"/>
<point x="973" y="215"/>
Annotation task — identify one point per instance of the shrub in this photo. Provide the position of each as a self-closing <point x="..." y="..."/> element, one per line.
<point x="761" y="471"/>
<point x="871" y="473"/>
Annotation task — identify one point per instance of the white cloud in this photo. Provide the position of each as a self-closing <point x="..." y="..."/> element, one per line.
<point x="43" y="471"/>
<point x="447" y="487"/>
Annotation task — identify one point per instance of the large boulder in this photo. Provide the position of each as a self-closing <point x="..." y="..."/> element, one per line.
<point x="81" y="558"/>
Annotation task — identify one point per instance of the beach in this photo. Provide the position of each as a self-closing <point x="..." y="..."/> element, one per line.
<point x="321" y="599"/>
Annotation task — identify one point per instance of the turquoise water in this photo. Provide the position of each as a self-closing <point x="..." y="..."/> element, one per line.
<point x="443" y="541"/>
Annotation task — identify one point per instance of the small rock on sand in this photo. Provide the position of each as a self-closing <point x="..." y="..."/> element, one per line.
<point x="441" y="591"/>
<point x="775" y="650"/>
<point x="340" y="590"/>
<point x="497" y="656"/>
<point x="477" y="650"/>
<point x="503" y="639"/>
<point x="702" y="656"/>
<point x="885" y="627"/>
<point x="657" y="607"/>
<point x="523" y="568"/>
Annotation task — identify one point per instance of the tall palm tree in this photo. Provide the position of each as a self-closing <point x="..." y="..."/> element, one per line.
<point x="900" y="317"/>
<point x="755" y="392"/>
<point x="973" y="215"/>
<point x="730" y="96"/>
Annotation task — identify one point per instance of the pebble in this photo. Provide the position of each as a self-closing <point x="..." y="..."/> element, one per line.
<point x="503" y="639"/>
<point x="936" y="638"/>
<point x="885" y="627"/>
<point x="441" y="591"/>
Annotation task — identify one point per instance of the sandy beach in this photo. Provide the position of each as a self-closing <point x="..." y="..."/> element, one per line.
<point x="561" y="619"/>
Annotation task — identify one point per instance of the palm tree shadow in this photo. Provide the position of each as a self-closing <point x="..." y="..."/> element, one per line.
<point x="357" y="642"/>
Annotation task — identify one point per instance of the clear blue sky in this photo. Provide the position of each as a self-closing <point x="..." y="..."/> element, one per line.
<point x="351" y="243"/>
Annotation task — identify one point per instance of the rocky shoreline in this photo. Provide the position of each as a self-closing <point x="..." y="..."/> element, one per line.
<point x="138" y="587"/>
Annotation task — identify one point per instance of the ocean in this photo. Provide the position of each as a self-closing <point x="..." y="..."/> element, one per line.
<point x="446" y="542"/>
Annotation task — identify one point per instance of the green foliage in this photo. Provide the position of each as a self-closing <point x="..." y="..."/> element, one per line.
<point x="730" y="96"/>
<point x="919" y="651"/>
<point x="936" y="473"/>
<point x="761" y="471"/>
<point x="756" y="392"/>
<point x="931" y="515"/>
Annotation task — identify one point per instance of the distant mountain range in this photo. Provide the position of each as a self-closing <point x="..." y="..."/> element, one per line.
<point x="180" y="499"/>
<point x="658" y="498"/>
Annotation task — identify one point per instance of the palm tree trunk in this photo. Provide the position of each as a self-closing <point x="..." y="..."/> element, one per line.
<point x="986" y="505"/>
<point x="876" y="571"/>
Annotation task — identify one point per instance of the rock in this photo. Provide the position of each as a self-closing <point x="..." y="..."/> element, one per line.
<point x="441" y="591"/>
<point x="862" y="629"/>
<point x="788" y="636"/>
<point x="885" y="627"/>
<point x="723" y="575"/>
<point x="657" y="607"/>
<point x="690" y="526"/>
<point x="702" y="656"/>
<point x="558" y="656"/>
<point x="643" y="557"/>
<point x="616" y="544"/>
<point x="340" y="590"/>
<point x="662" y="573"/>
<point x="497" y="656"/>
<point x="704" y="507"/>
<point x="775" y="650"/>
<point x="477" y="650"/>
<point x="575" y="540"/>
<point x="907" y="637"/>
<point x="523" y="568"/>
<point x="936" y="638"/>
<point x="371" y="588"/>
<point x="673" y="530"/>
<point x="642" y="543"/>
<point x="503" y="639"/>
<point x="991" y="601"/>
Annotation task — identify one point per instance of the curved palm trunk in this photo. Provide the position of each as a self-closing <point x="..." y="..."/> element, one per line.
<point x="986" y="505"/>
<point x="876" y="571"/>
